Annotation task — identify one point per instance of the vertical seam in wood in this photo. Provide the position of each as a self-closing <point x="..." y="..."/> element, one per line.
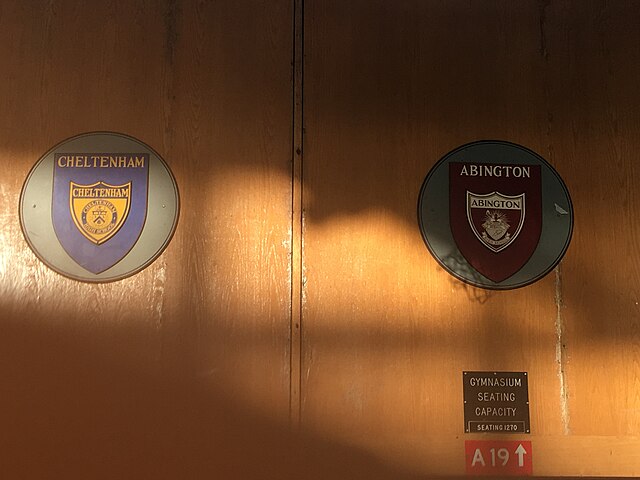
<point x="296" y="215"/>
<point x="171" y="17"/>
<point x="560" y="355"/>
<point x="559" y="323"/>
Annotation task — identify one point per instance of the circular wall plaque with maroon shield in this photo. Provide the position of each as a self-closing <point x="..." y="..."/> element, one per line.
<point x="99" y="207"/>
<point x="495" y="215"/>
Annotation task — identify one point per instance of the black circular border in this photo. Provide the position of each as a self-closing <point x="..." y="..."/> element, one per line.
<point x="456" y="274"/>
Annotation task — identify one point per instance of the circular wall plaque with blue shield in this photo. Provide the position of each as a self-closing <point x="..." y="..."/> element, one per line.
<point x="495" y="215"/>
<point x="99" y="207"/>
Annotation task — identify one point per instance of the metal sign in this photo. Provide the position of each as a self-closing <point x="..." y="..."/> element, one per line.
<point x="495" y="215"/>
<point x="99" y="207"/>
<point x="496" y="402"/>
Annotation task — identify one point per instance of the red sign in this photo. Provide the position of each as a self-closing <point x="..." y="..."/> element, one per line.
<point x="498" y="458"/>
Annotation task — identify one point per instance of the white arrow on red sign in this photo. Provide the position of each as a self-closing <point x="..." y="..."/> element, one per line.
<point x="498" y="457"/>
<point x="521" y="452"/>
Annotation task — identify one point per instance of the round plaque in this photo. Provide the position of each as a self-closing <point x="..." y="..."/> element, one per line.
<point x="495" y="215"/>
<point x="99" y="207"/>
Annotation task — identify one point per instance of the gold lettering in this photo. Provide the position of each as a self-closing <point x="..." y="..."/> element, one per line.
<point x="102" y="161"/>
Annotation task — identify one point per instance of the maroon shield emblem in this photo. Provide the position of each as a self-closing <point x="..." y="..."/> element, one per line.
<point x="495" y="215"/>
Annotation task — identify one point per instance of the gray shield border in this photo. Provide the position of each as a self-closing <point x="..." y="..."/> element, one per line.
<point x="163" y="206"/>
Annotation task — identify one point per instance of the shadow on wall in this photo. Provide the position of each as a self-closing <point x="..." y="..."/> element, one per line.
<point x="70" y="413"/>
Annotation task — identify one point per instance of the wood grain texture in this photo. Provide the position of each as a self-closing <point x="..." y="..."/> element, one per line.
<point x="182" y="370"/>
<point x="190" y="369"/>
<point x="387" y="93"/>
<point x="594" y="70"/>
<point x="391" y="88"/>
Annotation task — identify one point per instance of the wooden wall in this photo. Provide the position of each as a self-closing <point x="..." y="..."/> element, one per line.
<point x="297" y="326"/>
<point x="168" y="373"/>
<point x="390" y="87"/>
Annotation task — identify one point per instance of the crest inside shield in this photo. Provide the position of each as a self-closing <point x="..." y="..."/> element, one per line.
<point x="496" y="219"/>
<point x="99" y="210"/>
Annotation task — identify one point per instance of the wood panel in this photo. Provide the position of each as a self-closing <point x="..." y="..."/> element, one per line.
<point x="182" y="370"/>
<point x="389" y="89"/>
<point x="594" y="68"/>
<point x="190" y="369"/>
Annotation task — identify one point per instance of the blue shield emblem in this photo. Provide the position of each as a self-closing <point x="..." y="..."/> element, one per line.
<point x="99" y="205"/>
